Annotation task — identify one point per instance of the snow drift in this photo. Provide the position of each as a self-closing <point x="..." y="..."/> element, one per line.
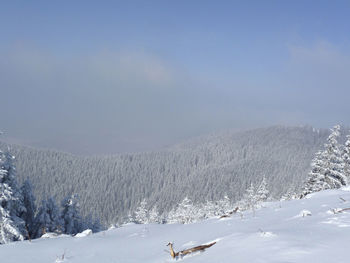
<point x="279" y="232"/>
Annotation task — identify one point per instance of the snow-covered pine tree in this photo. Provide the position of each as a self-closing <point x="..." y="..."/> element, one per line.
<point x="262" y="192"/>
<point x="316" y="181"/>
<point x="12" y="227"/>
<point x="153" y="216"/>
<point x="48" y="218"/>
<point x="334" y="170"/>
<point x="184" y="213"/>
<point x="198" y="212"/>
<point x="130" y="218"/>
<point x="327" y="168"/>
<point x="42" y="220"/>
<point x="56" y="222"/>
<point x="93" y="224"/>
<point x="141" y="213"/>
<point x="30" y="208"/>
<point x="72" y="222"/>
<point x="346" y="159"/>
<point x="223" y="206"/>
<point x="96" y="226"/>
<point x="171" y="216"/>
<point x="249" y="199"/>
<point x="210" y="209"/>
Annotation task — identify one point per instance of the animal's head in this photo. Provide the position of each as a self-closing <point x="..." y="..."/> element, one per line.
<point x="170" y="244"/>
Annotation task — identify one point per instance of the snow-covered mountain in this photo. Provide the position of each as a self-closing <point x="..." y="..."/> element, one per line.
<point x="315" y="229"/>
<point x="205" y="168"/>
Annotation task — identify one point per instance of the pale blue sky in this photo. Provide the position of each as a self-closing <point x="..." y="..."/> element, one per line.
<point x="97" y="77"/>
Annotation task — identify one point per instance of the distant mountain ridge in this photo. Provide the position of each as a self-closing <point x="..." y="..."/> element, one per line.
<point x="207" y="167"/>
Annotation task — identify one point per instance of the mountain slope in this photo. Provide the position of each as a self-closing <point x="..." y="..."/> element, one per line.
<point x="204" y="168"/>
<point x="276" y="233"/>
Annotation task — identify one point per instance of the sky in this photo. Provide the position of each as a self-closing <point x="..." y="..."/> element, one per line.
<point x="105" y="77"/>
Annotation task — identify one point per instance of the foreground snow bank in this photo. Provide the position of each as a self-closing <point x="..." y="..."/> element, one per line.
<point x="85" y="233"/>
<point x="291" y="231"/>
<point x="53" y="235"/>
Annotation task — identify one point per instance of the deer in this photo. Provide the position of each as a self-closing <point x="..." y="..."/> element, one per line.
<point x="189" y="250"/>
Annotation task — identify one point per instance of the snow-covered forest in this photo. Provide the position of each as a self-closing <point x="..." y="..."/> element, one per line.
<point x="203" y="169"/>
<point x="20" y="218"/>
<point x="163" y="131"/>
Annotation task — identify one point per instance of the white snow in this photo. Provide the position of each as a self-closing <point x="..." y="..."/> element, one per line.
<point x="85" y="233"/>
<point x="273" y="235"/>
<point x="53" y="235"/>
<point x="304" y="213"/>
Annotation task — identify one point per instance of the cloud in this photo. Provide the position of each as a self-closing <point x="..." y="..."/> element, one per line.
<point x="113" y="101"/>
<point x="117" y="96"/>
<point x="321" y="53"/>
<point x="106" y="67"/>
<point x="314" y="83"/>
<point x="321" y="66"/>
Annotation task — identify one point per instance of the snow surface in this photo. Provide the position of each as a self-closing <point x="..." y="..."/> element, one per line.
<point x="85" y="233"/>
<point x="277" y="233"/>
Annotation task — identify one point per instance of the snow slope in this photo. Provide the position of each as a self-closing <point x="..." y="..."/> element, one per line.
<point x="291" y="231"/>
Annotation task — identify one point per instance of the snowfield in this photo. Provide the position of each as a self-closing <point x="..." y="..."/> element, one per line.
<point x="308" y="230"/>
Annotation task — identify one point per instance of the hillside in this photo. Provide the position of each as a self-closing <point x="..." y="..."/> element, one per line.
<point x="304" y="230"/>
<point x="203" y="168"/>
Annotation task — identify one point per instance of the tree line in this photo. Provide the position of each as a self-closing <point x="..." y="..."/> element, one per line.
<point x="204" y="168"/>
<point x="20" y="218"/>
<point x="189" y="212"/>
<point x="330" y="169"/>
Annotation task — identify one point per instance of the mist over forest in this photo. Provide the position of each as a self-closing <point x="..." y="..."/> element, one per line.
<point x="204" y="168"/>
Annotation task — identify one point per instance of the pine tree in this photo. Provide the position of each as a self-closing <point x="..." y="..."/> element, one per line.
<point x="96" y="226"/>
<point x="56" y="222"/>
<point x="316" y="181"/>
<point x="131" y="218"/>
<point x="72" y="222"/>
<point x="141" y="213"/>
<point x="12" y="227"/>
<point x="327" y="168"/>
<point x="154" y="215"/>
<point x="223" y="206"/>
<point x="334" y="170"/>
<point x="249" y="199"/>
<point x="346" y="159"/>
<point x="42" y="220"/>
<point x="262" y="191"/>
<point x="210" y="209"/>
<point x="93" y="224"/>
<point x="48" y="218"/>
<point x="29" y="203"/>
<point x="184" y="213"/>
